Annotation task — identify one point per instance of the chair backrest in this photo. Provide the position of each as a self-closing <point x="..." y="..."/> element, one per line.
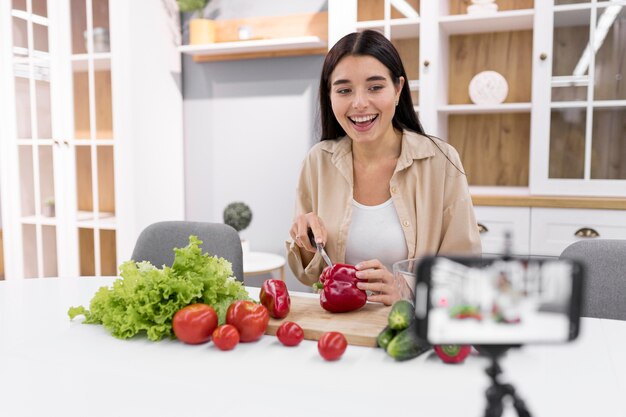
<point x="604" y="293"/>
<point x="156" y="243"/>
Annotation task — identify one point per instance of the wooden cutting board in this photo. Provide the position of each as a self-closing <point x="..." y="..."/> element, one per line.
<point x="360" y="327"/>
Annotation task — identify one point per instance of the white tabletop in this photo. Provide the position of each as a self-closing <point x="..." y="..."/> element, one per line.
<point x="52" y="366"/>
<point x="258" y="262"/>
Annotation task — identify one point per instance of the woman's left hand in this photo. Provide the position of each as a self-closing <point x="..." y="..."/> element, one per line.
<point x="380" y="281"/>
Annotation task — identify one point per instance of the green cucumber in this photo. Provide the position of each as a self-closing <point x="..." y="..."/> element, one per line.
<point x="385" y="336"/>
<point x="401" y="316"/>
<point x="407" y="345"/>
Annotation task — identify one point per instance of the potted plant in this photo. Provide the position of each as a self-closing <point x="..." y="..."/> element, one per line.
<point x="238" y="215"/>
<point x="201" y="30"/>
<point x="48" y="207"/>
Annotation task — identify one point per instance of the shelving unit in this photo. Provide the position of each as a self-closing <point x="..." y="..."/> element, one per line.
<point x="80" y="130"/>
<point x="555" y="146"/>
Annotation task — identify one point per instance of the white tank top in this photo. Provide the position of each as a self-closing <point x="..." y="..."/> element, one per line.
<point x="375" y="233"/>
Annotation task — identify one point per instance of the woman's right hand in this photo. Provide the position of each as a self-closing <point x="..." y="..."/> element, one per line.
<point x="299" y="231"/>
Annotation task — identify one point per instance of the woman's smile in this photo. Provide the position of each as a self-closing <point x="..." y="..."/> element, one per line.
<point x="363" y="123"/>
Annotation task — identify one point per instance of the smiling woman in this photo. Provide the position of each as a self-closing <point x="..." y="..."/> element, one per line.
<point x="376" y="189"/>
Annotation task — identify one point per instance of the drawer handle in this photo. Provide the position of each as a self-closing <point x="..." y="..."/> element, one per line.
<point x="482" y="228"/>
<point x="586" y="232"/>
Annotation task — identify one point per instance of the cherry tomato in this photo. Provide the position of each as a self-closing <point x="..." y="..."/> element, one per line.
<point x="453" y="353"/>
<point x="332" y="345"/>
<point x="194" y="323"/>
<point x="249" y="318"/>
<point x="290" y="333"/>
<point x="226" y="337"/>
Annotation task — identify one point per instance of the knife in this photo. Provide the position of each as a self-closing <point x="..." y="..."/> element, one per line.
<point x="319" y="247"/>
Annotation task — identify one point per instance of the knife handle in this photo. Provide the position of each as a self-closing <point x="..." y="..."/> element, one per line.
<point x="309" y="232"/>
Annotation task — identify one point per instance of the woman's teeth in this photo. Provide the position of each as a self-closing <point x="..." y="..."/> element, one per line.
<point x="363" y="119"/>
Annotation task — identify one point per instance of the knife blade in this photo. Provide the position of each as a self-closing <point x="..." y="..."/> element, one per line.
<point x="319" y="247"/>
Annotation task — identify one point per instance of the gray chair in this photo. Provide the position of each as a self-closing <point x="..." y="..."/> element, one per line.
<point x="156" y="243"/>
<point x="604" y="293"/>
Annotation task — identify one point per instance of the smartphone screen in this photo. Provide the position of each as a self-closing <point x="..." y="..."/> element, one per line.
<point x="498" y="301"/>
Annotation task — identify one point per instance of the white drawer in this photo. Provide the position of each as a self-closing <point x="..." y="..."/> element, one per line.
<point x="498" y="221"/>
<point x="552" y="229"/>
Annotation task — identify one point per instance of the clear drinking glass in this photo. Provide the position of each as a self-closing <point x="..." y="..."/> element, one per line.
<point x="404" y="274"/>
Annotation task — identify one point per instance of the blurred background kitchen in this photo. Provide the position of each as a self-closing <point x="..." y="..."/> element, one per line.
<point x="111" y="120"/>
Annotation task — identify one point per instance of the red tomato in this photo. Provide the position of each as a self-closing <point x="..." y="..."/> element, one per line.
<point x="453" y="353"/>
<point x="249" y="318"/>
<point x="194" y="323"/>
<point x="290" y="333"/>
<point x="226" y="337"/>
<point x="332" y="345"/>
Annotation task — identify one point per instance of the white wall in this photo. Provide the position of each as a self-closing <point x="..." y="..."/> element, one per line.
<point x="247" y="128"/>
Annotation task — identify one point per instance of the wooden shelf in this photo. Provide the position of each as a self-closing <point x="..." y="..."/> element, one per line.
<point x="270" y="36"/>
<point x="506" y="21"/>
<point x="549" y="201"/>
<point x="300" y="45"/>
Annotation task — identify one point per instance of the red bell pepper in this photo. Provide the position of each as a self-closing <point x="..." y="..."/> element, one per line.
<point x="275" y="297"/>
<point x="453" y="353"/>
<point x="339" y="291"/>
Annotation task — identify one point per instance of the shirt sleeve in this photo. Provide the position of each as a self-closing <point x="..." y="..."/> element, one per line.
<point x="307" y="274"/>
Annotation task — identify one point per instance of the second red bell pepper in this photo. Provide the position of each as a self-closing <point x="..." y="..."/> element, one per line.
<point x="275" y="297"/>
<point x="339" y="291"/>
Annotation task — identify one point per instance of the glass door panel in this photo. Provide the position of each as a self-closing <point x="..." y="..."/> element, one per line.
<point x="570" y="63"/>
<point x="610" y="65"/>
<point x="27" y="182"/>
<point x="29" y="243"/>
<point x="49" y="239"/>
<point x="22" y="104"/>
<point x="19" y="5"/>
<point x="100" y="21"/>
<point x="79" y="26"/>
<point x="567" y="143"/>
<point x="108" y="257"/>
<point x="40" y="7"/>
<point x="106" y="184"/>
<point x="84" y="183"/>
<point x="608" y="151"/>
<point x="82" y="125"/>
<point x="40" y="38"/>
<point x="46" y="181"/>
<point x="20" y="33"/>
<point x="44" y="113"/>
<point x="104" y="109"/>
<point x="87" y="259"/>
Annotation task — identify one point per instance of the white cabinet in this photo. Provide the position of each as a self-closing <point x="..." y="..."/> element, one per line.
<point x="495" y="222"/>
<point x="553" y="229"/>
<point x="560" y="130"/>
<point x="94" y="130"/>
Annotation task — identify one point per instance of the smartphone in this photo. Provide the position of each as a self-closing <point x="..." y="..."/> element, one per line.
<point x="509" y="301"/>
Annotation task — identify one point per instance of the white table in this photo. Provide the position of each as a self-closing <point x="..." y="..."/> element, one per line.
<point x="258" y="263"/>
<point x="50" y="366"/>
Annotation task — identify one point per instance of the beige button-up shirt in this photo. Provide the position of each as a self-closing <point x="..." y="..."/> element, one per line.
<point x="429" y="193"/>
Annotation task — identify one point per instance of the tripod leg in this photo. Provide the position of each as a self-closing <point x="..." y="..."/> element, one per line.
<point x="494" y="395"/>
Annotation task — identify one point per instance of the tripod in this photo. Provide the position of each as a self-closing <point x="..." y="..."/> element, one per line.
<point x="497" y="391"/>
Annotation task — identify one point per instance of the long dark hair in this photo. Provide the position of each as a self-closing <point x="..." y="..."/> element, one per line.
<point x="375" y="44"/>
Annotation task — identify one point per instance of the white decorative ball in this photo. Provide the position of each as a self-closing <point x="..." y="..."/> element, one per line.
<point x="488" y="87"/>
